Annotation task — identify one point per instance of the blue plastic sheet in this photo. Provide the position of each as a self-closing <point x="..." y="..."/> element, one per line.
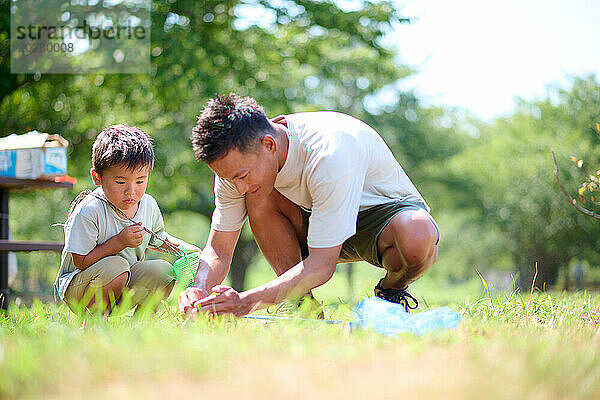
<point x="390" y="318"/>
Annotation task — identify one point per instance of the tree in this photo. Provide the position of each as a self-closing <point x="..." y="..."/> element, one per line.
<point x="506" y="179"/>
<point x="589" y="186"/>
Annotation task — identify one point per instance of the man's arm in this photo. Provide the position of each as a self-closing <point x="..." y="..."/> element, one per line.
<point x="212" y="269"/>
<point x="314" y="271"/>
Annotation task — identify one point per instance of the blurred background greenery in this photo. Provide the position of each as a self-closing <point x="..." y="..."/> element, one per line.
<point x="490" y="185"/>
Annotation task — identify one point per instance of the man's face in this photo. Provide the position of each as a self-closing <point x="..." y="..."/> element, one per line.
<point x="252" y="173"/>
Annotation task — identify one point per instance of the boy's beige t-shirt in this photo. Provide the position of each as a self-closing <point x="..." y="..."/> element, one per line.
<point x="93" y="222"/>
<point x="336" y="166"/>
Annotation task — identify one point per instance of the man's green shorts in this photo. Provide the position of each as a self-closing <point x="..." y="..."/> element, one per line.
<point x="369" y="225"/>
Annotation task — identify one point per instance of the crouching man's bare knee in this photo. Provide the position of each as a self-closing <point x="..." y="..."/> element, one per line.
<point x="408" y="245"/>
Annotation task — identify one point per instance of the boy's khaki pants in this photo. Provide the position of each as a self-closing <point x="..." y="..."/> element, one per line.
<point x="145" y="277"/>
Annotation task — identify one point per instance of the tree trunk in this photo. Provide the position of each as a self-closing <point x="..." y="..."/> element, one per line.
<point x="243" y="254"/>
<point x="548" y="268"/>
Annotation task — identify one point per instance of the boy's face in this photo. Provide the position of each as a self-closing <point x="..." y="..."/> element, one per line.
<point x="252" y="173"/>
<point x="122" y="186"/>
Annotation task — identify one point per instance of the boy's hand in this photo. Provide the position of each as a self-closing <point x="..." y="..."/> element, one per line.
<point x="132" y="236"/>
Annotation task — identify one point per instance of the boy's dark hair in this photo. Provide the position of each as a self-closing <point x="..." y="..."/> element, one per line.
<point x="125" y="145"/>
<point x="229" y="122"/>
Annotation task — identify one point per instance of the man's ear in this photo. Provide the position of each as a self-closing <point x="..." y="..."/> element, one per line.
<point x="269" y="143"/>
<point x="95" y="177"/>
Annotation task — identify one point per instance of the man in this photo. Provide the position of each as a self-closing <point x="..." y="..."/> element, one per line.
<point x="318" y="188"/>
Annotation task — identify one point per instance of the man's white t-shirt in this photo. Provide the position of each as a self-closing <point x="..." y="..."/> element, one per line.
<point x="93" y="222"/>
<point x="336" y="166"/>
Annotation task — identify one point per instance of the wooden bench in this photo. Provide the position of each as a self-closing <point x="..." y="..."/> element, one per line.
<point x="16" y="245"/>
<point x="6" y="186"/>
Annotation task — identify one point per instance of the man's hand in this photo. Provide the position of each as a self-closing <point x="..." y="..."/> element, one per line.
<point x="132" y="236"/>
<point x="188" y="297"/>
<point x="226" y="301"/>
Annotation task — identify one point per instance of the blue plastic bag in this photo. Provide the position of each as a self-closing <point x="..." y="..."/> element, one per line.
<point x="390" y="318"/>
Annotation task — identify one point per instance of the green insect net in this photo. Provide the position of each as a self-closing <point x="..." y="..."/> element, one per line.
<point x="185" y="268"/>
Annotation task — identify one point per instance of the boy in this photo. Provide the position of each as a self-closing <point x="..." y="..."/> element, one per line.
<point x="103" y="251"/>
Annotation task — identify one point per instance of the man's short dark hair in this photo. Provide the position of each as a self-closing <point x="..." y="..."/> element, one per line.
<point x="122" y="145"/>
<point x="226" y="123"/>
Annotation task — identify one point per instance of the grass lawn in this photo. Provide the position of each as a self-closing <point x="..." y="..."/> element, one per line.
<point x="507" y="346"/>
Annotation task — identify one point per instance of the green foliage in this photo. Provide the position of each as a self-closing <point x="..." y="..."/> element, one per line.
<point x="506" y="178"/>
<point x="310" y="56"/>
<point x="591" y="184"/>
<point x="297" y="56"/>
